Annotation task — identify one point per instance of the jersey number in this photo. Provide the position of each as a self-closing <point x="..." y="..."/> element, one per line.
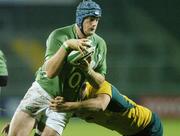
<point x="74" y="80"/>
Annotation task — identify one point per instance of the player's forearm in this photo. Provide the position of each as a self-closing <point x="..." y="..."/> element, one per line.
<point x="87" y="105"/>
<point x="94" y="78"/>
<point x="55" y="63"/>
<point x="99" y="103"/>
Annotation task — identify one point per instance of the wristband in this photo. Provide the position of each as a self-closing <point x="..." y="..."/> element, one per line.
<point x="65" y="46"/>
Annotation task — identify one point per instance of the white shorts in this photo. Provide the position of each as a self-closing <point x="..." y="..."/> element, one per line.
<point x="36" y="103"/>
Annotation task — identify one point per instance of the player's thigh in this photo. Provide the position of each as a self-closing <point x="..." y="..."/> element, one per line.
<point x="49" y="132"/>
<point x="21" y="124"/>
<point x="57" y="120"/>
<point x="54" y="123"/>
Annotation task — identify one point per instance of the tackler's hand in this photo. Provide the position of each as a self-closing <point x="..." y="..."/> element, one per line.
<point x="59" y="105"/>
<point x="56" y="103"/>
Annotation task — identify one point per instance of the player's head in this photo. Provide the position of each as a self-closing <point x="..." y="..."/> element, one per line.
<point x="87" y="8"/>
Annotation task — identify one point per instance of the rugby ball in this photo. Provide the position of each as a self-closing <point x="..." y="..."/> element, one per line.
<point x="75" y="57"/>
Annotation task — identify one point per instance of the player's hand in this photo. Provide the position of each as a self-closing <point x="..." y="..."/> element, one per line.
<point x="5" y="129"/>
<point x="59" y="105"/>
<point x="57" y="100"/>
<point x="78" y="44"/>
<point x="56" y="103"/>
<point x="84" y="65"/>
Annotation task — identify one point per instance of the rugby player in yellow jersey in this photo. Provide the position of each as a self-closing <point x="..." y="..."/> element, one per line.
<point x="109" y="108"/>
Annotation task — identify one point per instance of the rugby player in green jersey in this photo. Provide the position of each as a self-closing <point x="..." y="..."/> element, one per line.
<point x="57" y="77"/>
<point x="107" y="107"/>
<point x="3" y="70"/>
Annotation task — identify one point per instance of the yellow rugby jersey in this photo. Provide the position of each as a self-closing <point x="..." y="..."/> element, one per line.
<point x="122" y="114"/>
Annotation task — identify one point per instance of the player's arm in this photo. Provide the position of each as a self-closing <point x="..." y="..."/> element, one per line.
<point x="99" y="103"/>
<point x="96" y="100"/>
<point x="93" y="77"/>
<point x="55" y="63"/>
<point x="97" y="76"/>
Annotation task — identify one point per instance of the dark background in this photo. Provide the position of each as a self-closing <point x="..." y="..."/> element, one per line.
<point x="142" y="39"/>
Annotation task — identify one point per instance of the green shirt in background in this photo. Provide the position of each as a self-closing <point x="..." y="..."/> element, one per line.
<point x="3" y="66"/>
<point x="70" y="79"/>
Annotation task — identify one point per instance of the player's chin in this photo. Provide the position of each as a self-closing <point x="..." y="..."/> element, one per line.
<point x="90" y="33"/>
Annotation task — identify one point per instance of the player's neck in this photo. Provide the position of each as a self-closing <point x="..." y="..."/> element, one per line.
<point x="80" y="35"/>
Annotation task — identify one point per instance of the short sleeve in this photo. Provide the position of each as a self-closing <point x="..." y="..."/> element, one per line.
<point x="104" y="89"/>
<point x="53" y="43"/>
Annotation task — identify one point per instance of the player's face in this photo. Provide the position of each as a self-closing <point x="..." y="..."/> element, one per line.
<point x="90" y="24"/>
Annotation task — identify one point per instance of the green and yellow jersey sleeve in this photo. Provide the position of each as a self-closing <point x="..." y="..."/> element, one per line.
<point x="90" y="92"/>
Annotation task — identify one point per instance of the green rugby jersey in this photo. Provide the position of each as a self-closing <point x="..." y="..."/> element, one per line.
<point x="70" y="79"/>
<point x="3" y="66"/>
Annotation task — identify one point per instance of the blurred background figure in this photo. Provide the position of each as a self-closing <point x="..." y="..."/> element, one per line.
<point x="3" y="74"/>
<point x="3" y="70"/>
<point x="143" y="52"/>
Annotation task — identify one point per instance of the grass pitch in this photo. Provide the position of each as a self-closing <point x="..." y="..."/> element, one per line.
<point x="77" y="127"/>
